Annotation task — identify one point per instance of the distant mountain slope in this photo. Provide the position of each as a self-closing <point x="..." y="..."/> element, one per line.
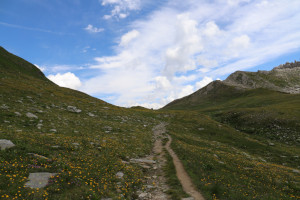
<point x="284" y="78"/>
<point x="253" y="102"/>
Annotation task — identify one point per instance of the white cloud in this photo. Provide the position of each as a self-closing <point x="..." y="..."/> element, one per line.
<point x="186" y="44"/>
<point x="187" y="90"/>
<point x="128" y="37"/>
<point x="121" y="8"/>
<point x="68" y="80"/>
<point x="183" y="46"/>
<point x="91" y="29"/>
<point x="205" y="81"/>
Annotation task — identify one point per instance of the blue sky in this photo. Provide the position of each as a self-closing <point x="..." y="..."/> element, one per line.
<point x="148" y="52"/>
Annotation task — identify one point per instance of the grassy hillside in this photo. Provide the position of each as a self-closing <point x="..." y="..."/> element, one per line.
<point x="85" y="149"/>
<point x="227" y="164"/>
<point x="272" y="114"/>
<point x="87" y="142"/>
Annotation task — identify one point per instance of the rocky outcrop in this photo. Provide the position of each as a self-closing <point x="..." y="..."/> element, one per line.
<point x="284" y="78"/>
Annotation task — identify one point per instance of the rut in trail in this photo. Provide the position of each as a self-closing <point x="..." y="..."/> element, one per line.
<point x="183" y="177"/>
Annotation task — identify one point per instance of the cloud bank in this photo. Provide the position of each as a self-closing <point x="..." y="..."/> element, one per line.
<point x="68" y="80"/>
<point x="183" y="46"/>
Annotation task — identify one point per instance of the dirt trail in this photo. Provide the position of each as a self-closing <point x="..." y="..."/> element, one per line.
<point x="159" y="192"/>
<point x="182" y="175"/>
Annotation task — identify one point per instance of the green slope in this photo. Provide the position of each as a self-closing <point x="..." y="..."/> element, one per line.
<point x="85" y="149"/>
<point x="222" y="162"/>
<point x="273" y="114"/>
<point x="14" y="65"/>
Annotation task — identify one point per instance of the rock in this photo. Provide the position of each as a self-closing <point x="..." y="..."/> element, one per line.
<point x="18" y="114"/>
<point x="39" y="179"/>
<point x="6" y="144"/>
<point x="39" y="126"/>
<point x="73" y="109"/>
<point x="30" y="115"/>
<point x="142" y="161"/>
<point x="150" y="186"/>
<point x="55" y="146"/>
<point x="53" y="130"/>
<point x="188" y="198"/>
<point x="4" y="107"/>
<point x="201" y="129"/>
<point x="271" y="144"/>
<point x="38" y="156"/>
<point x="91" y="114"/>
<point x="143" y="195"/>
<point x="120" y="175"/>
<point x="296" y="171"/>
<point x="75" y="144"/>
<point x="106" y="199"/>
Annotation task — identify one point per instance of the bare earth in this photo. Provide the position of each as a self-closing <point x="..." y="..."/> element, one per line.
<point x="183" y="177"/>
<point x="185" y="180"/>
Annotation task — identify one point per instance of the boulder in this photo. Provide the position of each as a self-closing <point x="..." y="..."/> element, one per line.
<point x="39" y="179"/>
<point x="6" y="144"/>
<point x="30" y="115"/>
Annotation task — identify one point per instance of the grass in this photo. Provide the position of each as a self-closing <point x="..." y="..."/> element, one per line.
<point x="175" y="192"/>
<point x="226" y="164"/>
<point x="208" y="136"/>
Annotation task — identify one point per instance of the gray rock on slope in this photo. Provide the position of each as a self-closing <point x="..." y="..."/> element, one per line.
<point x="39" y="179"/>
<point x="73" y="109"/>
<point x="6" y="144"/>
<point x="30" y="115"/>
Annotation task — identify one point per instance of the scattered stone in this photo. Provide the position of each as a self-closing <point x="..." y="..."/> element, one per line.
<point x="150" y="186"/>
<point x="106" y="199"/>
<point x="271" y="144"/>
<point x="73" y="109"/>
<point x="296" y="171"/>
<point x="39" y="126"/>
<point x="53" y="130"/>
<point x="38" y="156"/>
<point x="201" y="129"/>
<point x="18" y="114"/>
<point x="6" y="144"/>
<point x="55" y="146"/>
<point x="142" y="161"/>
<point x="143" y="195"/>
<point x="145" y="166"/>
<point x="120" y="175"/>
<point x="91" y="114"/>
<point x="125" y="162"/>
<point x="30" y="115"/>
<point x="4" y="107"/>
<point x="39" y="179"/>
<point x="75" y="144"/>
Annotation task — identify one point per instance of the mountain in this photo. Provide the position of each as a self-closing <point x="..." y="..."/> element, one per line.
<point x="284" y="78"/>
<point x="80" y="147"/>
<point x="14" y="65"/>
<point x="264" y="102"/>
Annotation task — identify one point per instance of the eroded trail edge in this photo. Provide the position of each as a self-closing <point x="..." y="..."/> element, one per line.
<point x="182" y="175"/>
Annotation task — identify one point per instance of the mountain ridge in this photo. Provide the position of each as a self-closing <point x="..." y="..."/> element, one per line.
<point x="284" y="78"/>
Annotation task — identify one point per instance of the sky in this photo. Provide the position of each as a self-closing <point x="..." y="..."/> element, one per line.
<point x="149" y="52"/>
